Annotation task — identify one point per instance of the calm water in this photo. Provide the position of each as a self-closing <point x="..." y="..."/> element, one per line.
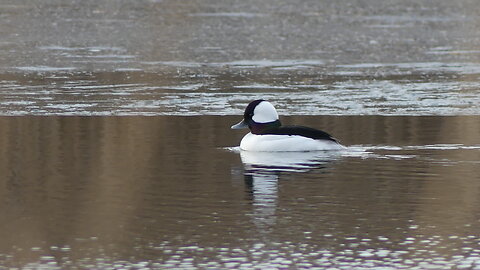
<point x="173" y="192"/>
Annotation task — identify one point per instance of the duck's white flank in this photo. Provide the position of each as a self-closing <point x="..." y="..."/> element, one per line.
<point x="287" y="143"/>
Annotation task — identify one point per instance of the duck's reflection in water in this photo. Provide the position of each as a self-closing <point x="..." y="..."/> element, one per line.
<point x="263" y="171"/>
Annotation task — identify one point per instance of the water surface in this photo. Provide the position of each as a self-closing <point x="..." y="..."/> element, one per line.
<point x="116" y="152"/>
<point x="167" y="57"/>
<point x="173" y="192"/>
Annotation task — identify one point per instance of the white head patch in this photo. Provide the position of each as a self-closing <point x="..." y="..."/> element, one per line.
<point x="264" y="112"/>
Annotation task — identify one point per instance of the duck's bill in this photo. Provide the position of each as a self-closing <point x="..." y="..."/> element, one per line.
<point x="240" y="125"/>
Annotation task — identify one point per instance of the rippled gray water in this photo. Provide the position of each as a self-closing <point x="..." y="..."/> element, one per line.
<point x="401" y="89"/>
<point x="191" y="58"/>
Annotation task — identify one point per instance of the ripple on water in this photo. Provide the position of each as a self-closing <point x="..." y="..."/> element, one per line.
<point x="286" y="255"/>
<point x="224" y="88"/>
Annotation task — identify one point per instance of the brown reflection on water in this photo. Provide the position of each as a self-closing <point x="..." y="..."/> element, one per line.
<point x="453" y="192"/>
<point x="118" y="188"/>
<point x="68" y="178"/>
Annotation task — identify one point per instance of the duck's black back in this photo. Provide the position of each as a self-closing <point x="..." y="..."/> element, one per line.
<point x="300" y="131"/>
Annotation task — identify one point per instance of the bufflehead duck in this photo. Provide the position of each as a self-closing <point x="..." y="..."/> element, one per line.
<point x="268" y="134"/>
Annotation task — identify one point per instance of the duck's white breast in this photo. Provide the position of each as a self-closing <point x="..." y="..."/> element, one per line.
<point x="272" y="143"/>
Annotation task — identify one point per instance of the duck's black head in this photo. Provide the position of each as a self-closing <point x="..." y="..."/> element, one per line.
<point x="259" y="116"/>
